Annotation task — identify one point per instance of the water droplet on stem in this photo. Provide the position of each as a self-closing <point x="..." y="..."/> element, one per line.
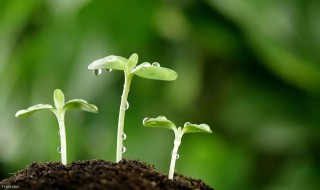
<point x="176" y="155"/>
<point x="59" y="149"/>
<point x="127" y="106"/>
<point x="124" y="136"/>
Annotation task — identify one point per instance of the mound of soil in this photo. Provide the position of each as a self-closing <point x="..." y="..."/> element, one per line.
<point x="97" y="174"/>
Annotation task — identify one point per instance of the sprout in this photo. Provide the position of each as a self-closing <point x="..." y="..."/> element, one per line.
<point x="163" y="122"/>
<point x="130" y="68"/>
<point x="59" y="110"/>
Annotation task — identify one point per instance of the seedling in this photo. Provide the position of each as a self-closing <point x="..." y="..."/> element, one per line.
<point x="188" y="127"/>
<point x="59" y="110"/>
<point x="130" y="68"/>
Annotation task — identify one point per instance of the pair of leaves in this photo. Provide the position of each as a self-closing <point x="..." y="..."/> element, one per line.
<point x="144" y="70"/>
<point x="163" y="122"/>
<point x="59" y="102"/>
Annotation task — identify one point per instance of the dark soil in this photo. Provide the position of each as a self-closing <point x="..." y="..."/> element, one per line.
<point x="97" y="174"/>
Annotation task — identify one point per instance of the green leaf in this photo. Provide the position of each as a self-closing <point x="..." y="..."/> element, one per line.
<point x="109" y="62"/>
<point x="58" y="98"/>
<point x="154" y="71"/>
<point x="133" y="60"/>
<point x="79" y="104"/>
<point x="194" y="128"/>
<point x="32" y="109"/>
<point x="160" y="121"/>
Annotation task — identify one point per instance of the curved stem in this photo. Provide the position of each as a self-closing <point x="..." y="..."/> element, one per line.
<point x="177" y="142"/>
<point x="122" y="111"/>
<point x="63" y="140"/>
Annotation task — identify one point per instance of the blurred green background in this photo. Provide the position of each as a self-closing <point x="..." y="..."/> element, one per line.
<point x="249" y="69"/>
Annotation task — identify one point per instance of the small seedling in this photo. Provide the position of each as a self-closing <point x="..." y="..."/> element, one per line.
<point x="59" y="110"/>
<point x="130" y="68"/>
<point x="188" y="127"/>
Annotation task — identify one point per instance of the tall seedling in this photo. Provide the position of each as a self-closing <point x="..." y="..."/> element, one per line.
<point x="130" y="68"/>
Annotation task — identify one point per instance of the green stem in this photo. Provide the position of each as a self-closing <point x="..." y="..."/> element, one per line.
<point x="177" y="142"/>
<point x="122" y="111"/>
<point x="63" y="140"/>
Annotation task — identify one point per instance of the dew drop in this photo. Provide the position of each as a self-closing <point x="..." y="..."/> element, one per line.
<point x="97" y="72"/>
<point x="177" y="156"/>
<point x="145" y="120"/>
<point x="156" y="64"/>
<point x="188" y="123"/>
<point x="108" y="70"/>
<point x="112" y="58"/>
<point x="127" y="106"/>
<point x="161" y="117"/>
<point x="124" y="136"/>
<point x="59" y="149"/>
<point x="124" y="149"/>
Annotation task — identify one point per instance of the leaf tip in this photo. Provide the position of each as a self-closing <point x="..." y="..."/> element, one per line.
<point x="206" y="128"/>
<point x="58" y="98"/>
<point x="94" y="109"/>
<point x="133" y="60"/>
<point x="134" y="56"/>
<point x="19" y="113"/>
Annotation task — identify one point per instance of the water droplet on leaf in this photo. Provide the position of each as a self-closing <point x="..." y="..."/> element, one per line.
<point x="161" y="117"/>
<point x="127" y="106"/>
<point x="111" y="58"/>
<point x="59" y="149"/>
<point x="188" y="123"/>
<point x="97" y="72"/>
<point x="145" y="120"/>
<point x="124" y="149"/>
<point x="124" y="136"/>
<point x="156" y="64"/>
<point x="108" y="70"/>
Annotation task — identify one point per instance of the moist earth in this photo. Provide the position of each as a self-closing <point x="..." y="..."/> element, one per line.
<point x="97" y="174"/>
